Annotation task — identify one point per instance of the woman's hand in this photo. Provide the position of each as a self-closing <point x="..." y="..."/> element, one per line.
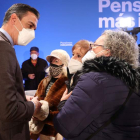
<point x="29" y="98"/>
<point x="66" y="95"/>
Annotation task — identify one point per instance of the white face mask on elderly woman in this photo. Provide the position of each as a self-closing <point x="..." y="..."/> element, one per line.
<point x="74" y="66"/>
<point x="90" y="55"/>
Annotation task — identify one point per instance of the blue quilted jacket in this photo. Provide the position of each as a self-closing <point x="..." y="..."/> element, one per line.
<point x="100" y="92"/>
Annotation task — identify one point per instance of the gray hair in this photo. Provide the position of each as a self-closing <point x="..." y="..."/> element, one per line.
<point x="122" y="46"/>
<point x="20" y="10"/>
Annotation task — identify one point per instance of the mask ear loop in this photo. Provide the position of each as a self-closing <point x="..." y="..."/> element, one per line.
<point x="16" y="28"/>
<point x="102" y="51"/>
<point x="20" y="24"/>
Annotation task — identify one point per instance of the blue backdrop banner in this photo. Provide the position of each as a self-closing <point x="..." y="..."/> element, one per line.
<point x="64" y="22"/>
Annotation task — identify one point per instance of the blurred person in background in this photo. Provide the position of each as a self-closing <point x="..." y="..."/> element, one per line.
<point x="33" y="69"/>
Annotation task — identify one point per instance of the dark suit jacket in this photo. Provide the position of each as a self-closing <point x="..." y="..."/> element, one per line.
<point x="15" y="110"/>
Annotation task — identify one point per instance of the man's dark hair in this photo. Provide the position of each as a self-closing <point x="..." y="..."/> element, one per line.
<point x="20" y="10"/>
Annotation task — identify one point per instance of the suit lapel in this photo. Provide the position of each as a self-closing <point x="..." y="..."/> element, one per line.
<point x="4" y="38"/>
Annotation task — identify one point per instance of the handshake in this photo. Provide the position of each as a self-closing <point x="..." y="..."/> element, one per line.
<point x="41" y="112"/>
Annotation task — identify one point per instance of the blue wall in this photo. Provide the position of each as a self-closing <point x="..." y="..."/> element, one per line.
<point x="64" y="22"/>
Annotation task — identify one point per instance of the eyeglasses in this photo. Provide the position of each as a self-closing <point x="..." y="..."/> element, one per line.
<point x="95" y="46"/>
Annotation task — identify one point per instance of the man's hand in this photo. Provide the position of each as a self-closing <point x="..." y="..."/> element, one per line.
<point x="31" y="76"/>
<point x="66" y="95"/>
<point x="29" y="98"/>
<point x="37" y="105"/>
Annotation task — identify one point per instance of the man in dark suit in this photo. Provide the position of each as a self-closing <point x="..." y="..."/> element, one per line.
<point x="16" y="109"/>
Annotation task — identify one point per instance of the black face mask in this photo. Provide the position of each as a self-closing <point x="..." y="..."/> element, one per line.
<point x="55" y="70"/>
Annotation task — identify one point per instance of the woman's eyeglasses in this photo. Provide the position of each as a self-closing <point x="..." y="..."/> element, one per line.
<point x="95" y="46"/>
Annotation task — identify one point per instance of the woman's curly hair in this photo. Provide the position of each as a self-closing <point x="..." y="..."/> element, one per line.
<point x="122" y="46"/>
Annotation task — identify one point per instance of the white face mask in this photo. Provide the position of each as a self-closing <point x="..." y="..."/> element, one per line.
<point x="34" y="56"/>
<point x="90" y="55"/>
<point x="25" y="36"/>
<point x="74" y="66"/>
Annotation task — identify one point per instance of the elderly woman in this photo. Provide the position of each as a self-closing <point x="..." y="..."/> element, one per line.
<point x="104" y="105"/>
<point x="50" y="89"/>
<point x="78" y="51"/>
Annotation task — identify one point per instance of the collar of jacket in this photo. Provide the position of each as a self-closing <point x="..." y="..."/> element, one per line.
<point x="36" y="63"/>
<point x="115" y="67"/>
<point x="3" y="37"/>
<point x="41" y="91"/>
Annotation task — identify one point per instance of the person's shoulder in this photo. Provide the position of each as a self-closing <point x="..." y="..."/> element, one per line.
<point x="26" y="61"/>
<point x="4" y="45"/>
<point x="96" y="76"/>
<point x="91" y="74"/>
<point x="42" y="60"/>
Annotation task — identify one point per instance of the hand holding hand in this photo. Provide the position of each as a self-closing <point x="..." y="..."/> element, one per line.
<point x="43" y="113"/>
<point x="66" y="95"/>
<point x="37" y="105"/>
<point x="29" y="98"/>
